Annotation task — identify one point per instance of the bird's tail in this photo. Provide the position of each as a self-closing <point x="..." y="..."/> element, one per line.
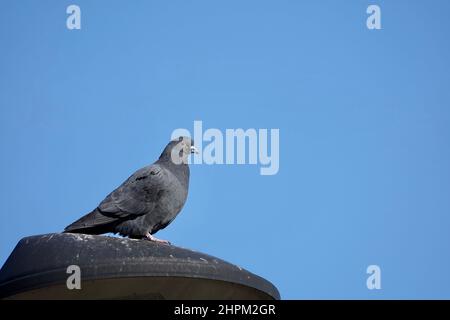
<point x="92" y="223"/>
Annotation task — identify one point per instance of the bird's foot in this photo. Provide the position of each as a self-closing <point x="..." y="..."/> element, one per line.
<point x="149" y="237"/>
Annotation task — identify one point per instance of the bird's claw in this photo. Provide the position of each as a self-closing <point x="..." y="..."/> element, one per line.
<point x="149" y="237"/>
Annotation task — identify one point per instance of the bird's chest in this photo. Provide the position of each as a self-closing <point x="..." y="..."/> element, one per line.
<point x="172" y="200"/>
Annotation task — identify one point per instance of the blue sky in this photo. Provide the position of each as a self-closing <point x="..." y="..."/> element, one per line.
<point x="364" y="119"/>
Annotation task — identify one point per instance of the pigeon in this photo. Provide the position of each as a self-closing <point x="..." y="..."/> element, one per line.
<point x="148" y="201"/>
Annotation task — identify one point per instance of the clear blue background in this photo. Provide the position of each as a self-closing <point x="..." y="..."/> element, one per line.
<point x="363" y="115"/>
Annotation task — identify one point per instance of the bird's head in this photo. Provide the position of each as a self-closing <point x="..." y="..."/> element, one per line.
<point x="179" y="149"/>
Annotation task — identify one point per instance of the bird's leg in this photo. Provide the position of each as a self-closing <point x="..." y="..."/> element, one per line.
<point x="149" y="237"/>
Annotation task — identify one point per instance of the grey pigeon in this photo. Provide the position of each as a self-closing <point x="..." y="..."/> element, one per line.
<point x="147" y="201"/>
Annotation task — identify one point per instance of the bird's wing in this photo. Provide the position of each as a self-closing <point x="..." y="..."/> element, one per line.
<point x="138" y="195"/>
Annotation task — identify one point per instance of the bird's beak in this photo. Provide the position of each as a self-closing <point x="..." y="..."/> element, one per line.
<point x="194" y="150"/>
